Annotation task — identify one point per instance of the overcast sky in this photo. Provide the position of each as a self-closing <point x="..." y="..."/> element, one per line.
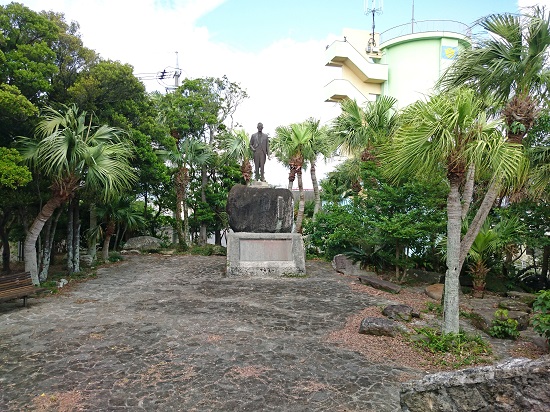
<point x="273" y="49"/>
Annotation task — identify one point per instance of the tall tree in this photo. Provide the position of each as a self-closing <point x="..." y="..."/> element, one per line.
<point x="359" y="130"/>
<point x="74" y="154"/>
<point x="451" y="130"/>
<point x="292" y="145"/>
<point x="321" y="144"/>
<point x="236" y="145"/>
<point x="509" y="64"/>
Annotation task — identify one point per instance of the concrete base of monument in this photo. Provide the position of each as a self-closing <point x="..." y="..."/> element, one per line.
<point x="265" y="254"/>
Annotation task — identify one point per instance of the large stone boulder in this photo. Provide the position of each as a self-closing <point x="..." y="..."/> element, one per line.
<point x="343" y="264"/>
<point x="142" y="243"/>
<point x="400" y="312"/>
<point x="513" y="385"/>
<point x="260" y="209"/>
<point x="380" y="327"/>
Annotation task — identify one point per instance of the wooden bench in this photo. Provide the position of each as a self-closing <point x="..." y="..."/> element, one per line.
<point x="17" y="286"/>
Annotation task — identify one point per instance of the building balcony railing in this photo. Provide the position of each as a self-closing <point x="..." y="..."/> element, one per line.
<point x="425" y="26"/>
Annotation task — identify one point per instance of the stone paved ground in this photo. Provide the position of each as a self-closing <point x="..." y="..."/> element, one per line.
<point x="171" y="333"/>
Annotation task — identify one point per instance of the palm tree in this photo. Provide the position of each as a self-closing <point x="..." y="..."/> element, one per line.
<point x="450" y="130"/>
<point x="510" y="65"/>
<point x="358" y="130"/>
<point x="118" y="211"/>
<point x="321" y="143"/>
<point x="293" y="145"/>
<point x="183" y="156"/>
<point x="74" y="154"/>
<point x="236" y="145"/>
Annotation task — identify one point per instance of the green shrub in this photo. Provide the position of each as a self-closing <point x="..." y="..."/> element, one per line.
<point x="115" y="257"/>
<point x="541" y="317"/>
<point x="455" y="349"/>
<point x="208" y="250"/>
<point x="503" y="327"/>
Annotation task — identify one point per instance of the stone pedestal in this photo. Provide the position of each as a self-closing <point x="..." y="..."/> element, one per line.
<point x="265" y="254"/>
<point x="260" y="209"/>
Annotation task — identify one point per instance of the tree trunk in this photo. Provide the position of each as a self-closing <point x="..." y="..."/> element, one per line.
<point x="204" y="181"/>
<point x="544" y="263"/>
<point x="468" y="191"/>
<point x="477" y="223"/>
<point x="109" y="230"/>
<point x="70" y="238"/>
<point x="32" y="235"/>
<point x="397" y="254"/>
<point x="316" y="194"/>
<point x="218" y="237"/>
<point x="49" y="236"/>
<point x="301" y="204"/>
<point x="76" y="235"/>
<point x="4" y="239"/>
<point x="73" y="237"/>
<point x="452" y="283"/>
<point x="186" y="235"/>
<point x="180" y="194"/>
<point x="92" y="239"/>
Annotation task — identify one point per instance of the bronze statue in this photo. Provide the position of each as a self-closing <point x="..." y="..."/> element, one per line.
<point x="259" y="143"/>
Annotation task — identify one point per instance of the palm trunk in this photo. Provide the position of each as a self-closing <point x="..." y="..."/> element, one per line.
<point x="204" y="181"/>
<point x="468" y="191"/>
<point x="452" y="283"/>
<point x="69" y="239"/>
<point x="301" y="204"/>
<point x="92" y="240"/>
<point x="316" y="194"/>
<point x="76" y="236"/>
<point x="73" y="237"/>
<point x="291" y="176"/>
<point x="29" y="248"/>
<point x="477" y="223"/>
<point x="186" y="235"/>
<point x="109" y="230"/>
<point x="180" y="194"/>
<point x="49" y="236"/>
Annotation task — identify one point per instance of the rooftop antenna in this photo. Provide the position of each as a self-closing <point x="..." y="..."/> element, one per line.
<point x="373" y="7"/>
<point x="412" y="20"/>
<point x="177" y="72"/>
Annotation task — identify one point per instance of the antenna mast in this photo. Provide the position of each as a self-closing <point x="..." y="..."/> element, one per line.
<point x="177" y="73"/>
<point x="373" y="7"/>
<point x="412" y="20"/>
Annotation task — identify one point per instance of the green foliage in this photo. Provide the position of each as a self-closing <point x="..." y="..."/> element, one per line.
<point x="503" y="327"/>
<point x="12" y="174"/>
<point x="541" y="317"/>
<point x="115" y="257"/>
<point x="207" y="250"/>
<point x="455" y="349"/>
<point x="436" y="308"/>
<point x="377" y="225"/>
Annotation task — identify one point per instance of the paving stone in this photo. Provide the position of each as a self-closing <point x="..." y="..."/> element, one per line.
<point x="172" y="333"/>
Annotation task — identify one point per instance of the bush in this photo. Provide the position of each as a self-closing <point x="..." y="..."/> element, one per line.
<point x="115" y="257"/>
<point x="541" y="317"/>
<point x="503" y="327"/>
<point x="208" y="250"/>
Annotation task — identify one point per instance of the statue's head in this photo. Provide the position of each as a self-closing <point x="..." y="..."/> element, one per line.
<point x="260" y="127"/>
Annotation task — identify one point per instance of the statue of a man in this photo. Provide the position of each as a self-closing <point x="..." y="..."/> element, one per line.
<point x="259" y="143"/>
